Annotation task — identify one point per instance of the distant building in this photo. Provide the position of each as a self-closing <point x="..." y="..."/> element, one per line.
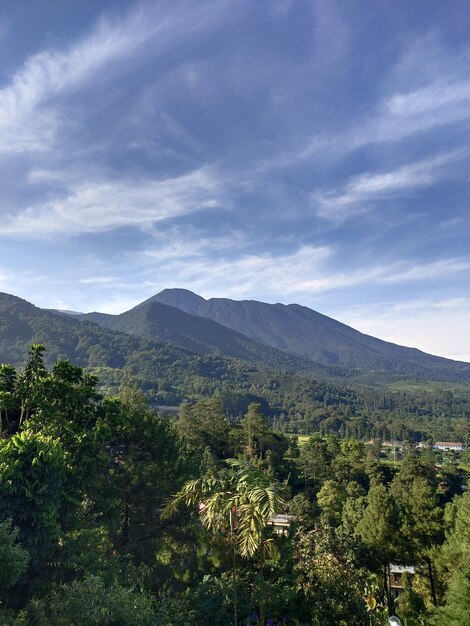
<point x="166" y="411"/>
<point x="393" y="444"/>
<point x="281" y="523"/>
<point x="449" y="445"/>
<point x="395" y="576"/>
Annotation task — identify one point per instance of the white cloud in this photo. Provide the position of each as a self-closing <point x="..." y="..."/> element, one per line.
<point x="213" y="267"/>
<point x="32" y="107"/>
<point x="436" y="326"/>
<point x="100" y="206"/>
<point x="360" y="191"/>
<point x="28" y="120"/>
<point x="412" y="101"/>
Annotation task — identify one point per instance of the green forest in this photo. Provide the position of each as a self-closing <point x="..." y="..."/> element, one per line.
<point x="111" y="514"/>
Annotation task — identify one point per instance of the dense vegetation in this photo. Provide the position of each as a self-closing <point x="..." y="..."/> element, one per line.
<point x="346" y="403"/>
<point x="311" y="335"/>
<point x="113" y="515"/>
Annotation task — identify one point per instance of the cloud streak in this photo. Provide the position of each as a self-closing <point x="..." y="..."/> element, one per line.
<point x="402" y="111"/>
<point x="92" y="207"/>
<point x="32" y="106"/>
<point x="361" y="191"/>
<point x="302" y="273"/>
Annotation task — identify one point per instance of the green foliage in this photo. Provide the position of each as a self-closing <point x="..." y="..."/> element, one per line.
<point x="32" y="482"/>
<point x="379" y="524"/>
<point x="204" y="425"/>
<point x="90" y="602"/>
<point x="238" y="504"/>
<point x="457" y="607"/>
<point x="455" y="561"/>
<point x="331" y="499"/>
<point x="13" y="557"/>
<point x="84" y="481"/>
<point x="331" y="582"/>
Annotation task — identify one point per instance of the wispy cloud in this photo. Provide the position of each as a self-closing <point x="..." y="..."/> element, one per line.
<point x="92" y="206"/>
<point x="299" y="274"/>
<point x="32" y="106"/>
<point x="427" y="101"/>
<point x="360" y="191"/>
<point x="28" y="119"/>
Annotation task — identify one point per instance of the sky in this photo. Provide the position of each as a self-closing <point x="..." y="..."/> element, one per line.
<point x="308" y="151"/>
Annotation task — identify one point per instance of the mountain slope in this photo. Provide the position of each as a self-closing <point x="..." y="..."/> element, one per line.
<point x="299" y="330"/>
<point x="22" y="323"/>
<point x="167" y="372"/>
<point x="154" y="320"/>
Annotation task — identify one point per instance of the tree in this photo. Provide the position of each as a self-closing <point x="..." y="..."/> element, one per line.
<point x="455" y="559"/>
<point x="140" y="465"/>
<point x="237" y="505"/>
<point x="255" y="428"/>
<point x="204" y="425"/>
<point x="32" y="482"/>
<point x="331" y="498"/>
<point x="7" y="393"/>
<point x="315" y="459"/>
<point x="330" y="581"/>
<point x="378" y="529"/>
<point x="420" y="522"/>
<point x="28" y="381"/>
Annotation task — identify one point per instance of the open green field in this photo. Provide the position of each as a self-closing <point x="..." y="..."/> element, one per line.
<point x="302" y="439"/>
<point x="429" y="386"/>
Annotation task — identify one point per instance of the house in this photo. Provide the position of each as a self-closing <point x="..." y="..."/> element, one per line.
<point x="449" y="445"/>
<point x="281" y="523"/>
<point x="395" y="575"/>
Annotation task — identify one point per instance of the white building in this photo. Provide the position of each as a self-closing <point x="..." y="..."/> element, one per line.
<point x="449" y="445"/>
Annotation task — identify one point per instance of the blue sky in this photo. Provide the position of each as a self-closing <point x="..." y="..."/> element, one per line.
<point x="288" y="151"/>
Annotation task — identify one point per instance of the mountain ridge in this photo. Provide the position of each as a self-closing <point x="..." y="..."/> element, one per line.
<point x="289" y="338"/>
<point x="299" y="330"/>
<point x="200" y="335"/>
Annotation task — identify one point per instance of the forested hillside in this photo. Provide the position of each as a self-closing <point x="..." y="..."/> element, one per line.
<point x="309" y="334"/>
<point x="201" y="336"/>
<point x="169" y="374"/>
<point x="111" y="514"/>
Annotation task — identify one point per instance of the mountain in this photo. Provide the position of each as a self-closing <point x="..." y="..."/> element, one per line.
<point x="88" y="345"/>
<point x="200" y="335"/>
<point x="299" y="330"/>
<point x="167" y="372"/>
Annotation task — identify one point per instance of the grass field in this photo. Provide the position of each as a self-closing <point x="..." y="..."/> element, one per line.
<point x="302" y="439"/>
<point x="430" y="386"/>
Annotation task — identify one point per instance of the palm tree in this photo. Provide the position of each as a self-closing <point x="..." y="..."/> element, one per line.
<point x="241" y="501"/>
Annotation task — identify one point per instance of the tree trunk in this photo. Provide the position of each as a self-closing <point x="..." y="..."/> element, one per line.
<point x="431" y="581"/>
<point x="261" y="599"/>
<point x="125" y="521"/>
<point x="387" y="590"/>
<point x="235" y="594"/>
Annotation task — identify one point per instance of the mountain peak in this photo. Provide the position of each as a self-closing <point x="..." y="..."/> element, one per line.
<point x="182" y="299"/>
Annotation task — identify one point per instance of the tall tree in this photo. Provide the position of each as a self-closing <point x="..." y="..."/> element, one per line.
<point x="204" y="424"/>
<point x="455" y="559"/>
<point x="420" y="522"/>
<point x="237" y="504"/>
<point x="378" y="529"/>
<point x="255" y="428"/>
